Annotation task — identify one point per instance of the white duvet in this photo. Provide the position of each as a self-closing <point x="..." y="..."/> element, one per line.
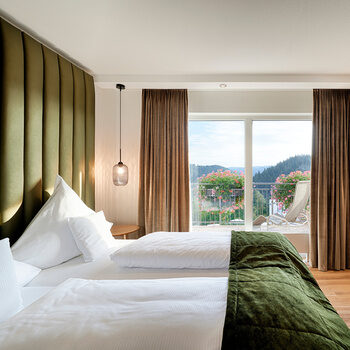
<point x="141" y="314"/>
<point x="192" y="250"/>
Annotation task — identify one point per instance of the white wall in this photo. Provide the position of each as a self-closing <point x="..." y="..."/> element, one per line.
<point x="250" y="101"/>
<point x="120" y="204"/>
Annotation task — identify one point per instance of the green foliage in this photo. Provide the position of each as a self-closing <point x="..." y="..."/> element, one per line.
<point x="223" y="216"/>
<point x="224" y="185"/>
<point x="260" y="205"/>
<point x="284" y="189"/>
<point x="219" y="197"/>
<point x="269" y="174"/>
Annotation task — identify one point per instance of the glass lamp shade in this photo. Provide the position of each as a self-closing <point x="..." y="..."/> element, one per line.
<point x="120" y="174"/>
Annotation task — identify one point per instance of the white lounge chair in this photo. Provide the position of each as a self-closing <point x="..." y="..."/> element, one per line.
<point x="296" y="214"/>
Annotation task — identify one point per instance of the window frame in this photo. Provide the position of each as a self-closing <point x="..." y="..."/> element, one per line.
<point x="248" y="119"/>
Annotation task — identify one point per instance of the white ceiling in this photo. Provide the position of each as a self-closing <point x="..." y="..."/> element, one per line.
<point x="196" y="38"/>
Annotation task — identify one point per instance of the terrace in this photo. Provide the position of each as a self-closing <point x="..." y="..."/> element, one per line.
<point x="220" y="206"/>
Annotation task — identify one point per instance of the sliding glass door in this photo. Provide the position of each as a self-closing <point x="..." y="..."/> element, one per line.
<point x="244" y="174"/>
<point x="281" y="158"/>
<point x="217" y="174"/>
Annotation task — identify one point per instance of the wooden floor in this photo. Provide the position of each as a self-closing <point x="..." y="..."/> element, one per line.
<point x="336" y="286"/>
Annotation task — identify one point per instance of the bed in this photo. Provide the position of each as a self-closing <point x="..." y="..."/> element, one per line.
<point x="246" y="290"/>
<point x="269" y="301"/>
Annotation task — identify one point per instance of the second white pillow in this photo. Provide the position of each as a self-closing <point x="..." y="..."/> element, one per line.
<point x="91" y="234"/>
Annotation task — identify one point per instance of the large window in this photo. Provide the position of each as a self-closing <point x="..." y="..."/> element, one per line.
<point x="244" y="174"/>
<point x="281" y="158"/>
<point x="217" y="173"/>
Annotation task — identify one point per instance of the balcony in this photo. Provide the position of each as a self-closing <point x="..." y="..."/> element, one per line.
<point x="221" y="208"/>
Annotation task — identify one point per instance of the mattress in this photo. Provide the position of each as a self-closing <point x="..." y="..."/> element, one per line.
<point x="106" y="269"/>
<point x="30" y="295"/>
<point x="140" y="314"/>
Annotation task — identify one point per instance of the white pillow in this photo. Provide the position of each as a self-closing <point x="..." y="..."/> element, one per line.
<point x="10" y="296"/>
<point x="92" y="235"/>
<point x="25" y="272"/>
<point x="47" y="241"/>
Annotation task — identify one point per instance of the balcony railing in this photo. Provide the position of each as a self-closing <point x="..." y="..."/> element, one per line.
<point x="224" y="205"/>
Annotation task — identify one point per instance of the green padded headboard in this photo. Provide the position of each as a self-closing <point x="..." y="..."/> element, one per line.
<point x="47" y="126"/>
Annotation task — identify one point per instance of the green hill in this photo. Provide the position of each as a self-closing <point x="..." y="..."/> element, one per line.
<point x="301" y="162"/>
<point x="260" y="173"/>
<point x="197" y="171"/>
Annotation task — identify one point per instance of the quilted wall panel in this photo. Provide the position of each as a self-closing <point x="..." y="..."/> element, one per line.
<point x="47" y="127"/>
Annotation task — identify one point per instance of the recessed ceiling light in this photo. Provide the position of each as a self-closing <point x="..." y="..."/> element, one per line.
<point x="223" y="86"/>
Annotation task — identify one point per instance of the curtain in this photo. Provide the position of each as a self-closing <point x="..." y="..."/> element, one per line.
<point x="330" y="207"/>
<point x="164" y="198"/>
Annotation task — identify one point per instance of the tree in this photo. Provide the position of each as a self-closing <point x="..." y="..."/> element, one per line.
<point x="300" y="162"/>
<point x="260" y="205"/>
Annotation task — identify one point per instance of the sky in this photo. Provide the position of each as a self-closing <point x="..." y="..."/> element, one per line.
<point x="222" y="142"/>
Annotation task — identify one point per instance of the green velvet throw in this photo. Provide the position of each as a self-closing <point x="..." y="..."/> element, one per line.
<point x="273" y="300"/>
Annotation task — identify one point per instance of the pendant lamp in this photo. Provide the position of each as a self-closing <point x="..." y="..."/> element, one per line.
<point x="120" y="170"/>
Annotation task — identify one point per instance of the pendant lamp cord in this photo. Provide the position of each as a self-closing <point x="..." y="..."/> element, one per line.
<point x="120" y="125"/>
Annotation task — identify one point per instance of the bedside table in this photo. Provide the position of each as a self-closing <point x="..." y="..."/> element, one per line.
<point x="123" y="230"/>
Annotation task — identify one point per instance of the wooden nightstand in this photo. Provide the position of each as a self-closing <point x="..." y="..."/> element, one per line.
<point x="123" y="230"/>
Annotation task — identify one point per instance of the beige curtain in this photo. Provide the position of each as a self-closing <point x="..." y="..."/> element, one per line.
<point x="164" y="198"/>
<point x="330" y="198"/>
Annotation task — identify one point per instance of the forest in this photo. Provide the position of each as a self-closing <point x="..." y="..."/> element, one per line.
<point x="260" y="173"/>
